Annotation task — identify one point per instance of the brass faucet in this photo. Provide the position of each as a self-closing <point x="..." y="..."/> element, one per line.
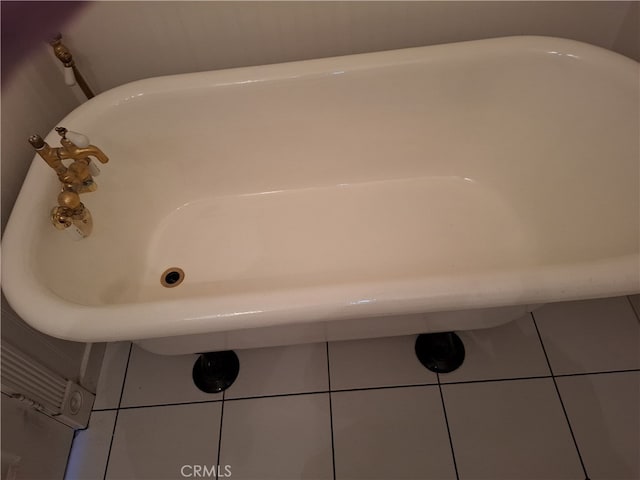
<point x="75" y="179"/>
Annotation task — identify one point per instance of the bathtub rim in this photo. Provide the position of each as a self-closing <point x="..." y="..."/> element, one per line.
<point x="607" y="278"/>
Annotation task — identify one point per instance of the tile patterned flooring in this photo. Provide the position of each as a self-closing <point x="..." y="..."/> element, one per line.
<point x="552" y="395"/>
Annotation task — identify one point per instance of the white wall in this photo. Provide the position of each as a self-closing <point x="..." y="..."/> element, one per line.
<point x="123" y="41"/>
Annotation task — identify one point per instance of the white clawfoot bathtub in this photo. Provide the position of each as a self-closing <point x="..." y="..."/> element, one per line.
<point x="428" y="189"/>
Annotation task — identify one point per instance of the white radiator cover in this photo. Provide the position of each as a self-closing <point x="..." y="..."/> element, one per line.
<point x="43" y="389"/>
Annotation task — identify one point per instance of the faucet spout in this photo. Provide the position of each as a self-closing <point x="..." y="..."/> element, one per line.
<point x="71" y="150"/>
<point x="90" y="151"/>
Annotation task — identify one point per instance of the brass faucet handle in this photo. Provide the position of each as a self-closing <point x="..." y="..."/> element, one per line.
<point x="61" y="217"/>
<point x="78" y="139"/>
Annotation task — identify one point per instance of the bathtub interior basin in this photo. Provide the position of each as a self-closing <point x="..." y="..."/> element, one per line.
<point x="472" y="175"/>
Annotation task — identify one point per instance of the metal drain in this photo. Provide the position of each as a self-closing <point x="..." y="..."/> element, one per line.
<point x="172" y="277"/>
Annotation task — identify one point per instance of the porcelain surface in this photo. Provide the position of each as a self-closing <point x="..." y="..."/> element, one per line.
<point x="475" y="175"/>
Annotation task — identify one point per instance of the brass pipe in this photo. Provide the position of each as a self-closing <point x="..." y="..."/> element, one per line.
<point x="82" y="83"/>
<point x="64" y="55"/>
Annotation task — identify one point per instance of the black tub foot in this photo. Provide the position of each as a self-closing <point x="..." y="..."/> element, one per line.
<point x="216" y="371"/>
<point x="440" y="352"/>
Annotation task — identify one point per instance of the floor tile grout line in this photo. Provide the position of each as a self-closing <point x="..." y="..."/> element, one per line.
<point x="564" y="410"/>
<point x="115" y="420"/>
<point x="66" y="466"/>
<point x="383" y="387"/>
<point x="333" y="450"/>
<point x="176" y="404"/>
<point x="496" y="380"/>
<point x="633" y="308"/>
<point x="220" y="436"/>
<point x="124" y="377"/>
<point x="360" y="389"/>
<point x="626" y="370"/>
<point x="446" y="421"/>
<point x="276" y="395"/>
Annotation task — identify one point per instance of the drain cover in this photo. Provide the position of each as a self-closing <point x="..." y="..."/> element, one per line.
<point x="172" y="277"/>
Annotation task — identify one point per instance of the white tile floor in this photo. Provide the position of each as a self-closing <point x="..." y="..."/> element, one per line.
<point x="552" y="395"/>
